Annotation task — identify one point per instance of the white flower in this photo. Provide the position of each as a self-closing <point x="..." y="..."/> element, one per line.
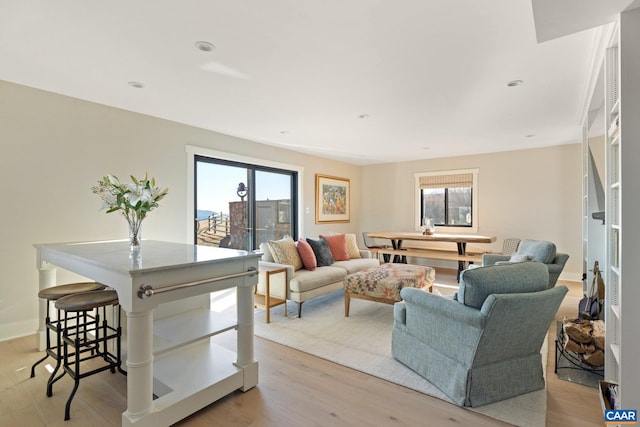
<point x="112" y="179"/>
<point x="134" y="199"/>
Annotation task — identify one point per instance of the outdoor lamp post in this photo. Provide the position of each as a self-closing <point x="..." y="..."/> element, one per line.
<point x="242" y="191"/>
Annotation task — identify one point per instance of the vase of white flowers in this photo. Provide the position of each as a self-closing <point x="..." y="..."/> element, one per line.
<point x="134" y="200"/>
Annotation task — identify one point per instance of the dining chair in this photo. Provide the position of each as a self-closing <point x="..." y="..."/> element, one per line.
<point x="509" y="246"/>
<point x="371" y="245"/>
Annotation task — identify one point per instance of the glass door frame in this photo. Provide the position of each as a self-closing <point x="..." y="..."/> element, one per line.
<point x="267" y="165"/>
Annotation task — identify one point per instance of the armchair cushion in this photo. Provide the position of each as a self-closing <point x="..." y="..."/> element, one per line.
<point x="538" y="250"/>
<point x="478" y="283"/>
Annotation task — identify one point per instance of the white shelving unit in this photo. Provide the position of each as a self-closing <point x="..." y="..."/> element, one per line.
<point x="613" y="190"/>
<point x="622" y="109"/>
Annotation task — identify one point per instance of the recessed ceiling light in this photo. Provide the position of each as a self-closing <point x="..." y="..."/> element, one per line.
<point x="137" y="85"/>
<point x="205" y="46"/>
<point x="363" y="116"/>
<point x="513" y="83"/>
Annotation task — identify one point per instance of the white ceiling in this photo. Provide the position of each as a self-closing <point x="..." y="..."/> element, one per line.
<point x="431" y="75"/>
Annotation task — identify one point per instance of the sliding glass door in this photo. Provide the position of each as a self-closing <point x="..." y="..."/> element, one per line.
<point x="240" y="205"/>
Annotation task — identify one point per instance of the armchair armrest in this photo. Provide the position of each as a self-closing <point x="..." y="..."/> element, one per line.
<point x="491" y="259"/>
<point x="436" y="306"/>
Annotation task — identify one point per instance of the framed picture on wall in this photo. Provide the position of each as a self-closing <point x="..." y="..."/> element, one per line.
<point x="332" y="199"/>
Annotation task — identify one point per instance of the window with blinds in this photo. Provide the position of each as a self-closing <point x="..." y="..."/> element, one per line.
<point x="447" y="198"/>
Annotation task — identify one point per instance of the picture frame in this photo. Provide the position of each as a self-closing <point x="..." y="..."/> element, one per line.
<point x="332" y="199"/>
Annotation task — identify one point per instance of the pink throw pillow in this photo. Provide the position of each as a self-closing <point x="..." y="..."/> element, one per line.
<point x="337" y="246"/>
<point x="306" y="255"/>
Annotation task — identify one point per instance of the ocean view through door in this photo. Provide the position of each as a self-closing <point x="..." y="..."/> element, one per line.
<point x="241" y="205"/>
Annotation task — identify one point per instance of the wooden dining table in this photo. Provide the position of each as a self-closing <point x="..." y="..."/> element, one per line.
<point x="461" y="240"/>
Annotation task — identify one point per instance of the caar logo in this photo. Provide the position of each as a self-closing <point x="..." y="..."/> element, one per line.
<point x="620" y="416"/>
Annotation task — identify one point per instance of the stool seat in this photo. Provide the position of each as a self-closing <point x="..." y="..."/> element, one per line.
<point x="55" y="292"/>
<point x="87" y="300"/>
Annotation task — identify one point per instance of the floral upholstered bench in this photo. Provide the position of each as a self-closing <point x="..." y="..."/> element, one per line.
<point x="383" y="283"/>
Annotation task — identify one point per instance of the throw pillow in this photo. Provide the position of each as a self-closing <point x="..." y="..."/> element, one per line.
<point x="519" y="258"/>
<point x="352" y="246"/>
<point x="266" y="252"/>
<point x="337" y="246"/>
<point x="321" y="249"/>
<point x="538" y="250"/>
<point x="306" y="255"/>
<point x="284" y="251"/>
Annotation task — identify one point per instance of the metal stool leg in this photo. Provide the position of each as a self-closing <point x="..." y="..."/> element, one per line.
<point x="67" y="408"/>
<point x="47" y="325"/>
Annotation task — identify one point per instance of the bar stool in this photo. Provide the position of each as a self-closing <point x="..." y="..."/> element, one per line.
<point x="53" y="350"/>
<point x="89" y="340"/>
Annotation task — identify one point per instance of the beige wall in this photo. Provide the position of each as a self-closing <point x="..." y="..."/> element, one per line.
<point x="533" y="194"/>
<point x="54" y="148"/>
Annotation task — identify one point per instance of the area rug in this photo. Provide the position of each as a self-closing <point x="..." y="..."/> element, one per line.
<point x="362" y="341"/>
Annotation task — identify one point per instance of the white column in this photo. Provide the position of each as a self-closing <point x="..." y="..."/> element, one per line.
<point x="245" y="325"/>
<point x="139" y="366"/>
<point x="46" y="279"/>
<point x="245" y="358"/>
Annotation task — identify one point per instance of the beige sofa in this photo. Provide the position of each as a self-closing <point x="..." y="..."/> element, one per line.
<point x="304" y="284"/>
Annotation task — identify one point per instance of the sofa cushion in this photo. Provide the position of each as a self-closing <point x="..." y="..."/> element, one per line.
<point x="352" y="246"/>
<point x="358" y="264"/>
<point x="321" y="249"/>
<point x="284" y="251"/>
<point x="538" y="250"/>
<point x="337" y="246"/>
<point x="306" y="255"/>
<point x="305" y="280"/>
<point x="478" y="283"/>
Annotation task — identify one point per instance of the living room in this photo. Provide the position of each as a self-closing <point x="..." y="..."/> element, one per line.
<point x="55" y="147"/>
<point x="83" y="221"/>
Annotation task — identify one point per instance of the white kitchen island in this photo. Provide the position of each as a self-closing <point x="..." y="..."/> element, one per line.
<point x="187" y="370"/>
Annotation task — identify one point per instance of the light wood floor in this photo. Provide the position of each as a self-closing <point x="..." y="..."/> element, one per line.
<point x="295" y="389"/>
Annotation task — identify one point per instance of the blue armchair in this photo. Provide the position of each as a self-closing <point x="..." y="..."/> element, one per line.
<point x="534" y="250"/>
<point x="483" y="344"/>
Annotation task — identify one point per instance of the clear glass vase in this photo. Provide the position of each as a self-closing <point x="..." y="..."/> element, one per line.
<point x="135" y="235"/>
<point x="427" y="226"/>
